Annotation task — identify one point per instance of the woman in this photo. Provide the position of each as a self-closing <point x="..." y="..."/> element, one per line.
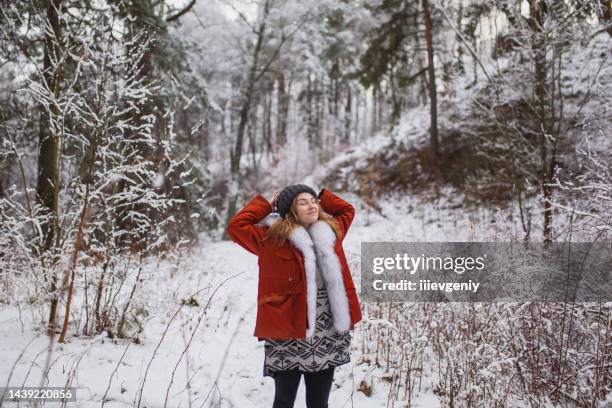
<point x="306" y="300"/>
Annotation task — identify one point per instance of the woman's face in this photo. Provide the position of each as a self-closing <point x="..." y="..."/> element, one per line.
<point x="306" y="209"/>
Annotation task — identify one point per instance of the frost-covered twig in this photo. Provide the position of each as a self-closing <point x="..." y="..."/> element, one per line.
<point x="195" y="330"/>
<point x="10" y="374"/>
<point x="138" y="396"/>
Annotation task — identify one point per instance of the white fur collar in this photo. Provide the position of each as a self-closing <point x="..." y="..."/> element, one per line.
<point x="317" y="244"/>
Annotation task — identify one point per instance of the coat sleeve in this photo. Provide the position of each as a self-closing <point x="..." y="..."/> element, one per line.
<point x="242" y="228"/>
<point x="341" y="210"/>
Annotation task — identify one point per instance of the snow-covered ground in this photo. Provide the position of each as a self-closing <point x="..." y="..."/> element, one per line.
<point x="223" y="361"/>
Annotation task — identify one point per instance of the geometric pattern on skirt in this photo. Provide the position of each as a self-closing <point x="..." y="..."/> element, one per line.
<point x="326" y="348"/>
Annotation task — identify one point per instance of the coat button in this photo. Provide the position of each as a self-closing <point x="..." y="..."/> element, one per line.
<point x="290" y="279"/>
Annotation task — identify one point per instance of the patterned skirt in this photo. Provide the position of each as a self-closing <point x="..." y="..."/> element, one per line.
<point x="325" y="349"/>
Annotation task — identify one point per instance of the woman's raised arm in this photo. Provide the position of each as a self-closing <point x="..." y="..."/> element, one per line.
<point x="341" y="210"/>
<point x="242" y="228"/>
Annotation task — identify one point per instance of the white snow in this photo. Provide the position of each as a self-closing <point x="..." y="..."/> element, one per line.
<point x="225" y="360"/>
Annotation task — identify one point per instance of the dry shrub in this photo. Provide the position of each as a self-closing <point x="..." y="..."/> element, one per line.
<point x="494" y="355"/>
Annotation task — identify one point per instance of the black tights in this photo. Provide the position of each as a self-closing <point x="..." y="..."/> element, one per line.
<point x="318" y="386"/>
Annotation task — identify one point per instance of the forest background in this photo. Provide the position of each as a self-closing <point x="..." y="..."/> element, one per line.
<point x="132" y="130"/>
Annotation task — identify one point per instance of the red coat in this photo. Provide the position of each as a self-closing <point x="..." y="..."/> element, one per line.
<point x="286" y="273"/>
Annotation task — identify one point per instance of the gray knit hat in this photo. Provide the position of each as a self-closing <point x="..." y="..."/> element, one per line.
<point x="284" y="199"/>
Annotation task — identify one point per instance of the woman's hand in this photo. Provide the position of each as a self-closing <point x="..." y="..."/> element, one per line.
<point x="273" y="199"/>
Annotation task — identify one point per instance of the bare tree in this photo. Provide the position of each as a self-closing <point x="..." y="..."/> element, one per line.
<point x="431" y="83"/>
<point x="50" y="135"/>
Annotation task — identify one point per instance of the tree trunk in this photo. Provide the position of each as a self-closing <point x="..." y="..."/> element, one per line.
<point x="97" y="326"/>
<point x="47" y="188"/>
<point x="282" y="110"/>
<point x="266" y="126"/>
<point x="539" y="53"/>
<point x="318" y="109"/>
<point x="236" y="154"/>
<point x="348" y="115"/>
<point x="310" y="108"/>
<point x="204" y="137"/>
<point x="433" y="100"/>
<point x="373" y="125"/>
<point x="395" y="102"/>
<point x="48" y="166"/>
<point x="334" y="91"/>
<point x="605" y="14"/>
<point x="252" y="135"/>
<point x="459" y="63"/>
<point x="357" y="125"/>
<point x="380" y="104"/>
